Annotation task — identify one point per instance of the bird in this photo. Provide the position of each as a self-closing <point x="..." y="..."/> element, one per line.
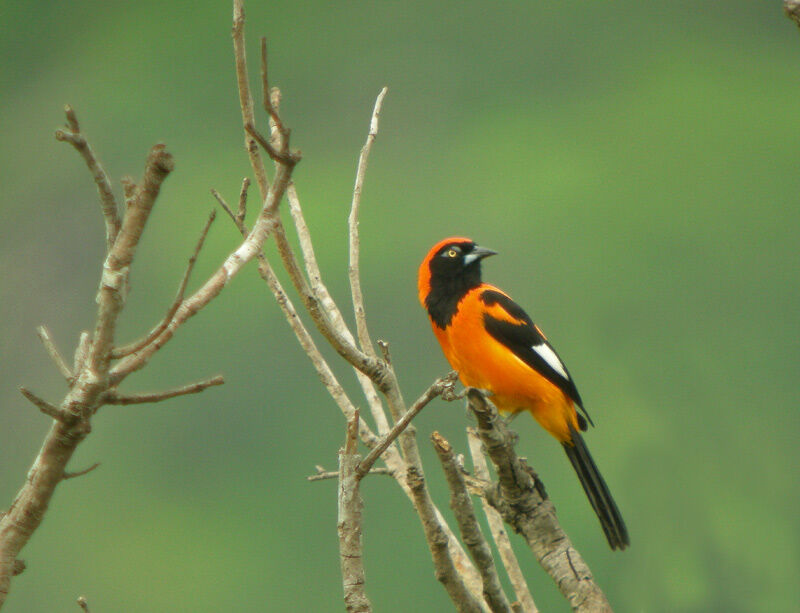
<point x="495" y="347"/>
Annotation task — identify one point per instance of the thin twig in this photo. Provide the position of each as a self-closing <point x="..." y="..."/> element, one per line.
<point x="80" y="473"/>
<point x="121" y="352"/>
<point x="107" y="200"/>
<point x="267" y="98"/>
<point x="114" y="397"/>
<point x="498" y="531"/>
<point x="353" y="271"/>
<point x="272" y="152"/>
<point x="83" y="604"/>
<point x="81" y="352"/>
<point x="323" y="475"/>
<point x="55" y="354"/>
<point x="242" y="210"/>
<point x="44" y="406"/>
<point x="245" y="99"/>
<point x="471" y="533"/>
<point x="437" y="388"/>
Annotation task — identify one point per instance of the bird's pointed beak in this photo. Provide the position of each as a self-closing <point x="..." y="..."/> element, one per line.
<point x="478" y="253"/>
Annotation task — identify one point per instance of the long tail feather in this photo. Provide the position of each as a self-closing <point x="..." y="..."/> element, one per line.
<point x="596" y="489"/>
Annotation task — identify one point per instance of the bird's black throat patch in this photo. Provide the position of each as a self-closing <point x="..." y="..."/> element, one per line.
<point x="448" y="286"/>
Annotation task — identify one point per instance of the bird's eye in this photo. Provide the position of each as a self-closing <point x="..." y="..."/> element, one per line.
<point x="452" y="253"/>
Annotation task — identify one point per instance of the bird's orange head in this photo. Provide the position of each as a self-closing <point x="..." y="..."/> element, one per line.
<point x="451" y="268"/>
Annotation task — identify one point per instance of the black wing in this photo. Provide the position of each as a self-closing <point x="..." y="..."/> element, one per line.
<point x="528" y="343"/>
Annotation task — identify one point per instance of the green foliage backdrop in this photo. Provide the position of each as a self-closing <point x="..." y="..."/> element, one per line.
<point x="634" y="163"/>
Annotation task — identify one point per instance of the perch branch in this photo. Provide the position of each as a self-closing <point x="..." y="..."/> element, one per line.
<point x="497" y="528"/>
<point x="522" y="504"/>
<point x="478" y="548"/>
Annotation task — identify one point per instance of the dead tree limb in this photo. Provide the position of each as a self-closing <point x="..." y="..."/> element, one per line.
<point x="95" y="376"/>
<point x="471" y="534"/>
<point x="350" y="505"/>
<point x="524" y="600"/>
<point x="521" y="500"/>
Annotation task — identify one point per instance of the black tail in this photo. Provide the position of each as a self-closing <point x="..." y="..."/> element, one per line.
<point x="597" y="491"/>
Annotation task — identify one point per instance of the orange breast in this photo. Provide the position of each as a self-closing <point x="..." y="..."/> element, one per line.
<point x="485" y="363"/>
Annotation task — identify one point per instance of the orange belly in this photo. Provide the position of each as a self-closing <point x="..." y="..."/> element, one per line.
<point x="485" y="363"/>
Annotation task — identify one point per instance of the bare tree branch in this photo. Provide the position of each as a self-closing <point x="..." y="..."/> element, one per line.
<point x="437" y="388"/>
<point x="109" y="204"/>
<point x="116" y="268"/>
<point x="121" y="352"/>
<point x="83" y="604"/>
<point x="478" y="548"/>
<point x="94" y="375"/>
<point x="349" y="524"/>
<point x="44" y="406"/>
<point x="328" y="304"/>
<point x="354" y="272"/>
<point x="245" y="99"/>
<point x="497" y="528"/>
<point x="128" y="189"/>
<point x="114" y="397"/>
<point x="522" y="503"/>
<point x="464" y="588"/>
<point x="81" y="352"/>
<point x="250" y="247"/>
<point x="324" y="371"/>
<point x="242" y="210"/>
<point x="80" y="473"/>
<point x="324" y="475"/>
<point x="55" y="355"/>
<point x="270" y="97"/>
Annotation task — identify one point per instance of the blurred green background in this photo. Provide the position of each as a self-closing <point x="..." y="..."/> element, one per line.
<point x="636" y="164"/>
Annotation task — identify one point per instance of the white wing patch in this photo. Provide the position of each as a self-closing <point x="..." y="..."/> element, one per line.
<point x="549" y="356"/>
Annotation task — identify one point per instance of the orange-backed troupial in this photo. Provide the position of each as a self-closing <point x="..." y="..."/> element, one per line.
<point x="495" y="346"/>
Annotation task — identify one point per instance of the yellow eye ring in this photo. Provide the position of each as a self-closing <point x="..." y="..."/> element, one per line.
<point x="452" y="253"/>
